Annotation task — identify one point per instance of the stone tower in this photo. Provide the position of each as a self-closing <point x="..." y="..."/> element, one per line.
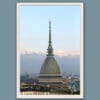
<point x="50" y="70"/>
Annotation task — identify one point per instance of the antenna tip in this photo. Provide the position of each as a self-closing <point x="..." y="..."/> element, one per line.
<point x="49" y="21"/>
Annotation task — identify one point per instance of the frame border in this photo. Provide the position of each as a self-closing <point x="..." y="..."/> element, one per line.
<point x="81" y="50"/>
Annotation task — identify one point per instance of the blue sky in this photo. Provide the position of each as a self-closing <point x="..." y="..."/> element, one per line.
<point x="65" y="26"/>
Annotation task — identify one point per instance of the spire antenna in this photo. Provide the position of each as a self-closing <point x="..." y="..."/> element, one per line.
<point x="50" y="49"/>
<point x="49" y="32"/>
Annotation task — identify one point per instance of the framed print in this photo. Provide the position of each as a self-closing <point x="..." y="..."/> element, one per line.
<point x="50" y="50"/>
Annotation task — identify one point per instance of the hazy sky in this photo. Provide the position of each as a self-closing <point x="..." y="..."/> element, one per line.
<point x="65" y="24"/>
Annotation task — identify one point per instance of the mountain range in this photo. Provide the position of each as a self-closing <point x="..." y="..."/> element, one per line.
<point x="31" y="63"/>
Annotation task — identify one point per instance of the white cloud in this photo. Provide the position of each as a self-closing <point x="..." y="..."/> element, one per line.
<point x="57" y="52"/>
<point x="67" y="53"/>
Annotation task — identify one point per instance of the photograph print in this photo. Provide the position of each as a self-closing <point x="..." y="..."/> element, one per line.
<point x="49" y="50"/>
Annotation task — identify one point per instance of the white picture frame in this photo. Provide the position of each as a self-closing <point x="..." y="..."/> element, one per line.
<point x="18" y="95"/>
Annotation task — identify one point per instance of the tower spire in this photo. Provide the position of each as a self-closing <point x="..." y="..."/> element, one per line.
<point x="49" y="32"/>
<point x="50" y="49"/>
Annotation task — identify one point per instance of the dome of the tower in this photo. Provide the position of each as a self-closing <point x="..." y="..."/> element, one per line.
<point x="50" y="67"/>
